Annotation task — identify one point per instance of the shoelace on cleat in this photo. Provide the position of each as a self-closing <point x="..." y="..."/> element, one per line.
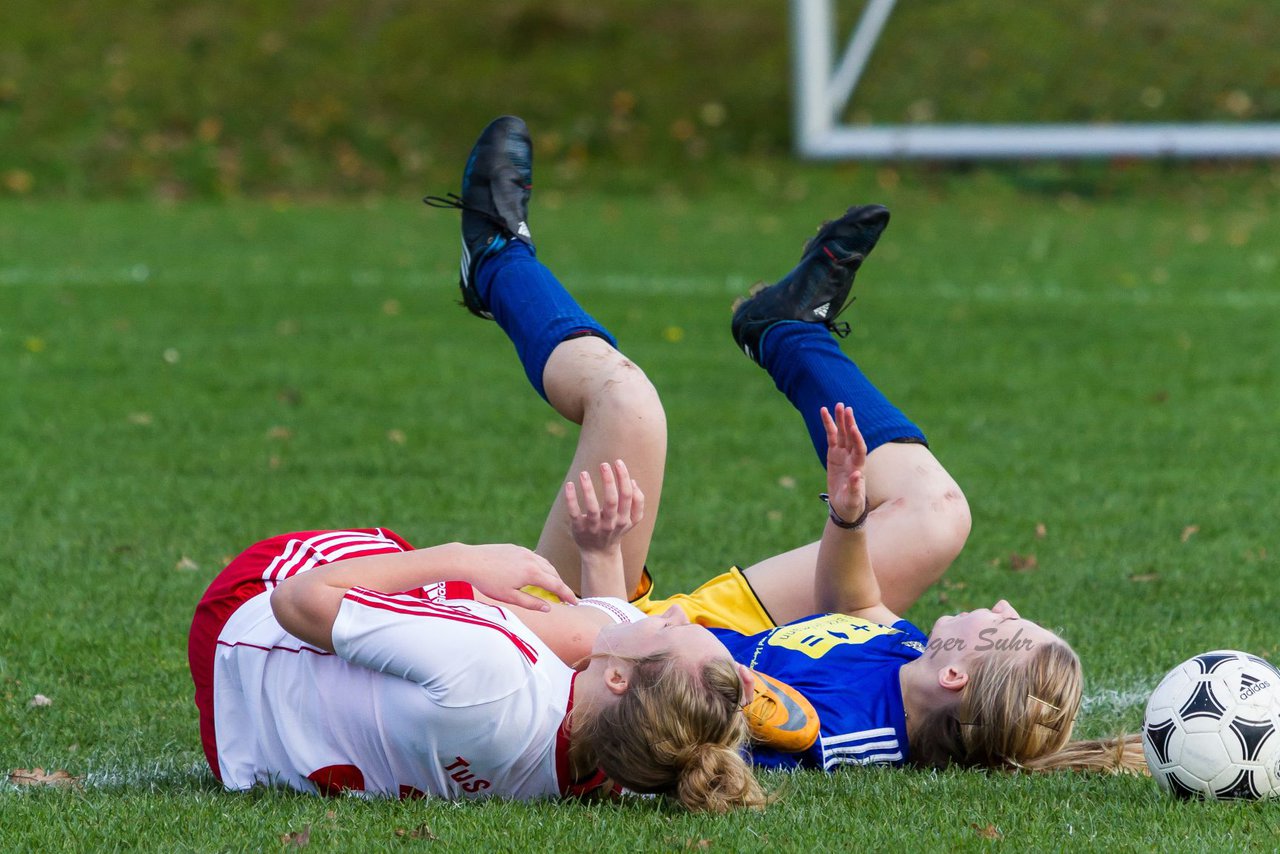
<point x="453" y="200"/>
<point x="841" y="329"/>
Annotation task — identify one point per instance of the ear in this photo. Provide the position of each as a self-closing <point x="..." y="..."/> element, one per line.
<point x="952" y="678"/>
<point x="615" y="679"/>
<point x="748" y="677"/>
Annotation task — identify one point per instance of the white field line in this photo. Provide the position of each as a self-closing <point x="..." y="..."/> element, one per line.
<point x="1118" y="700"/>
<point x="1051" y="292"/>
<point x="162" y="772"/>
<point x="155" y="773"/>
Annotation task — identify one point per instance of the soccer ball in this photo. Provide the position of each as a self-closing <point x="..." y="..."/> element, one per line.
<point x="1212" y="728"/>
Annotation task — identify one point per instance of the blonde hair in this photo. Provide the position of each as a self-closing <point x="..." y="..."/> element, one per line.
<point x="1017" y="713"/>
<point x="677" y="733"/>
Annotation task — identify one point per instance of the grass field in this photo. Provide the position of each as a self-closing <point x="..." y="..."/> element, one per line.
<point x="181" y="381"/>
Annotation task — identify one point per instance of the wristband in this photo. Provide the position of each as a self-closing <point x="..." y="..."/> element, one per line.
<point x="835" y="517"/>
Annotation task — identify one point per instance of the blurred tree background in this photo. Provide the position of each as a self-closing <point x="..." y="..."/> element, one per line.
<point x="177" y="99"/>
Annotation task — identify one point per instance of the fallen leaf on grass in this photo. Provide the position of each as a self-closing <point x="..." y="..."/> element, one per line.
<point x="1189" y="532"/>
<point x="280" y="432"/>
<point x="787" y="482"/>
<point x="1041" y="530"/>
<point x="39" y="700"/>
<point x="396" y="437"/>
<point x="555" y="428"/>
<point x="988" y="832"/>
<point x="39" y="777"/>
<point x="1022" y="563"/>
<point x="142" y="419"/>
<point x="422" y="831"/>
<point x="186" y="564"/>
<point x="1144" y="576"/>
<point x="297" y="839"/>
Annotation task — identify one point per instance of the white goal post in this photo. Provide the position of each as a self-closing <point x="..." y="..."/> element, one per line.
<point x="823" y="87"/>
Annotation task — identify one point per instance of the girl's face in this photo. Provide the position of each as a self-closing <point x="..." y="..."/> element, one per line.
<point x="669" y="633"/>
<point x="999" y="627"/>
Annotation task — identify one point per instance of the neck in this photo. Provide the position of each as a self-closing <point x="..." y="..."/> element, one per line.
<point x="569" y="631"/>
<point x="581" y="758"/>
<point x="920" y="693"/>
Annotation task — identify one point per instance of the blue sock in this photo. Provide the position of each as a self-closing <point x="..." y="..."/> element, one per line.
<point x="809" y="367"/>
<point x="532" y="307"/>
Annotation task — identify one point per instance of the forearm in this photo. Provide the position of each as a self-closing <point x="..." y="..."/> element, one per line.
<point x="845" y="581"/>
<point x="307" y="604"/>
<point x="603" y="574"/>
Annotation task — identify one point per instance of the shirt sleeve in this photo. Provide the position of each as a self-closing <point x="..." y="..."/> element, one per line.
<point x="618" y="610"/>
<point x="913" y="633"/>
<point x="461" y="652"/>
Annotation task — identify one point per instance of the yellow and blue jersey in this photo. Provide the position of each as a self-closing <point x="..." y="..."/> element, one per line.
<point x="847" y="668"/>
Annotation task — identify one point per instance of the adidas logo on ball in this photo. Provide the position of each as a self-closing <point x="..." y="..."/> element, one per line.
<point x="1250" y="685"/>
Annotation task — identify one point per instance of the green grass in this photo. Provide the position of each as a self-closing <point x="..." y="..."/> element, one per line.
<point x="1093" y="352"/>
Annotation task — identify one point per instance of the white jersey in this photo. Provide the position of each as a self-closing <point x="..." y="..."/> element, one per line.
<point x="427" y="694"/>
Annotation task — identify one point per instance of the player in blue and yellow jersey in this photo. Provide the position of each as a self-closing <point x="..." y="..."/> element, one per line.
<point x="817" y="624"/>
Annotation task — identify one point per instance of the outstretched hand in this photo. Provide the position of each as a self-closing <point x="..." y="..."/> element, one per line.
<point x="598" y="524"/>
<point x="500" y="570"/>
<point x="846" y="457"/>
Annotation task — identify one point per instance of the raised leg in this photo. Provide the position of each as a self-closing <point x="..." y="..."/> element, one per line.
<point x="920" y="519"/>
<point x="918" y="526"/>
<point x="592" y="384"/>
<point x="569" y="357"/>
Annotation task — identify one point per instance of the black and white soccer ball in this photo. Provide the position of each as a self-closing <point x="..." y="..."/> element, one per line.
<point x="1212" y="728"/>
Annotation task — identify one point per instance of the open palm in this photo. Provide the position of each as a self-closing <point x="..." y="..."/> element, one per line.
<point x="846" y="457"/>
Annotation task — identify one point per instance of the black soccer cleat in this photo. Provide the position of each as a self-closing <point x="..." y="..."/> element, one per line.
<point x="496" y="185"/>
<point x="817" y="290"/>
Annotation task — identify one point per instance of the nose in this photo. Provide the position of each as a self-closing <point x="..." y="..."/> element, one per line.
<point x="1004" y="609"/>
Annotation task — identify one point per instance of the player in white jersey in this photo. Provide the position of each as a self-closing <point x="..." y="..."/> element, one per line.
<point x="335" y="661"/>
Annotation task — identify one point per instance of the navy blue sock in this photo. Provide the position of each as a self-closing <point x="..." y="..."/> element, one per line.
<point x="809" y="367"/>
<point x="532" y="307"/>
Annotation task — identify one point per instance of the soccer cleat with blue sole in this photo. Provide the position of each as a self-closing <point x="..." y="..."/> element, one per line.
<point x="817" y="289"/>
<point x="496" y="184"/>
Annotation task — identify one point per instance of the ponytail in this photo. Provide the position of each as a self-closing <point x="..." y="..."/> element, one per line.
<point x="1119" y="755"/>
<point x="716" y="779"/>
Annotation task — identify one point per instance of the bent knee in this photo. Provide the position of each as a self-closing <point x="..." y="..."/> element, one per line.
<point x="626" y="388"/>
<point x="937" y="519"/>
<point x="953" y="520"/>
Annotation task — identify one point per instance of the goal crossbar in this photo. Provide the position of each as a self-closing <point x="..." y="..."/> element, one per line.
<point x="824" y="86"/>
